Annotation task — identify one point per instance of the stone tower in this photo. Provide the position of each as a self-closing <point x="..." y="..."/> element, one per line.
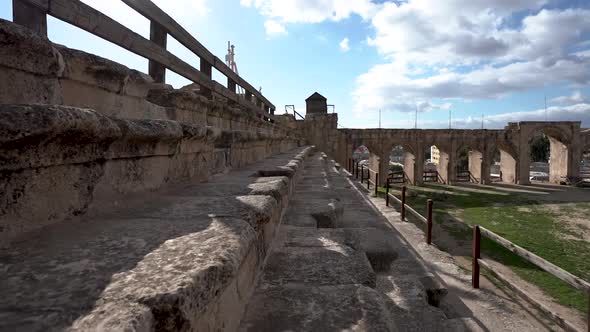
<point x="316" y="104"/>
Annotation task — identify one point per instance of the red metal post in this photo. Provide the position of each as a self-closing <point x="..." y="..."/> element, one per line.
<point x="429" y="222"/>
<point x="403" y="211"/>
<point x="476" y="255"/>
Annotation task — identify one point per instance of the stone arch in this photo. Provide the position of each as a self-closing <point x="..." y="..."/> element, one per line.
<point x="409" y="160"/>
<point x="508" y="168"/>
<point x="559" y="152"/>
<point x="443" y="163"/>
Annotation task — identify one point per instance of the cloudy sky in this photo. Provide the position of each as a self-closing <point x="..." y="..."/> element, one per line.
<point x="500" y="59"/>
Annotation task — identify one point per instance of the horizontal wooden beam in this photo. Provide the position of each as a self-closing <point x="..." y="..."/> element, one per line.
<point x="538" y="261"/>
<point x="87" y="18"/>
<point x="522" y="293"/>
<point x="153" y="13"/>
<point x="95" y="22"/>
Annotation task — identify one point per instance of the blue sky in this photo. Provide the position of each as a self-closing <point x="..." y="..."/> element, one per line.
<point x="496" y="58"/>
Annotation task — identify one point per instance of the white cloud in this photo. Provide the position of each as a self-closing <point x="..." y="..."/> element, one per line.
<point x="575" y="98"/>
<point x="274" y="28"/>
<point x="578" y="112"/>
<point x="311" y="11"/>
<point x="471" y="50"/>
<point x="344" y="47"/>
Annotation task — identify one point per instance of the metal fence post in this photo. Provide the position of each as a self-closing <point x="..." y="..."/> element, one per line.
<point x="403" y="211"/>
<point x="476" y="255"/>
<point x="429" y="221"/>
<point x="368" y="178"/>
<point x="376" y="184"/>
<point x="387" y="192"/>
<point x="362" y="173"/>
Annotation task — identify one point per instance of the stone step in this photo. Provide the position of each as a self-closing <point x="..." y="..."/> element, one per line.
<point x="186" y="257"/>
<point x="409" y="301"/>
<point x="330" y="265"/>
<point x="296" y="307"/>
<point x="380" y="247"/>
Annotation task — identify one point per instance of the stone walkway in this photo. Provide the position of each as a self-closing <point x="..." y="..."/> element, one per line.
<point x="341" y="264"/>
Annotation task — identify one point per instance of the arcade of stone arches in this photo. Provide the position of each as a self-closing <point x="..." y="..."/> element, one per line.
<point x="481" y="156"/>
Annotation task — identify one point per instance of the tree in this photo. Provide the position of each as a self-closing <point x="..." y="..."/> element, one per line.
<point x="540" y="148"/>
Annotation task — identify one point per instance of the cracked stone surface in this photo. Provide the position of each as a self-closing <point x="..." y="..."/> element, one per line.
<point x="156" y="263"/>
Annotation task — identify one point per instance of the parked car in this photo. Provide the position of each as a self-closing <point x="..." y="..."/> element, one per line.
<point x="538" y="176"/>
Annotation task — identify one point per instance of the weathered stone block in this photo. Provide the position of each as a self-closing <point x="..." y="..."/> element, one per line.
<point x="297" y="307"/>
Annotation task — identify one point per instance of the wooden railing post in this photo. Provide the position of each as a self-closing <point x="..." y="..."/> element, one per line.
<point x="429" y="221"/>
<point x="403" y="210"/>
<point x="376" y="184"/>
<point x="158" y="35"/>
<point x="248" y="96"/>
<point x="31" y="16"/>
<point x="387" y="193"/>
<point x="231" y="85"/>
<point x="476" y="255"/>
<point x="206" y="69"/>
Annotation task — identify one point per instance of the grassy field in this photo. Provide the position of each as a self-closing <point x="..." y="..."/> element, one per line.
<point x="534" y="222"/>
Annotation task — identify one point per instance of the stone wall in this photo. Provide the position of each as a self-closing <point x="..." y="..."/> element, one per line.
<point x="79" y="132"/>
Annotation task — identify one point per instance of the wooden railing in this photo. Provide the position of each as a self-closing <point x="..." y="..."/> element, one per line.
<point x="397" y="177"/>
<point x="33" y="14"/>
<point x="552" y="269"/>
<point x="430" y="176"/>
<point x="477" y="261"/>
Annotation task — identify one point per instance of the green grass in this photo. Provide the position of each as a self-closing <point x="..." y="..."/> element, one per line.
<point x="522" y="221"/>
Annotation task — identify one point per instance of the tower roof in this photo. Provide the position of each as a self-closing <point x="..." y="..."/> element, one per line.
<point x="316" y="96"/>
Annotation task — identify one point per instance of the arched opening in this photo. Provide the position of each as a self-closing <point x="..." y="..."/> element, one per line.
<point x="462" y="162"/>
<point x="539" y="151"/>
<point x="494" y="172"/>
<point x="548" y="158"/>
<point x="396" y="167"/>
<point x="435" y="165"/>
<point x="368" y="163"/>
<point x="360" y="155"/>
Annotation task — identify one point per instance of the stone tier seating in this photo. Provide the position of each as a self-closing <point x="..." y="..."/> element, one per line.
<point x="106" y="221"/>
<point x="186" y="257"/>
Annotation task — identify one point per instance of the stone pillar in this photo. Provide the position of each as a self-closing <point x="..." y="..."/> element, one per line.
<point x="445" y="166"/>
<point x="508" y="169"/>
<point x="486" y="167"/>
<point x="523" y="167"/>
<point x="476" y="165"/>
<point x="410" y="167"/>
<point x="414" y="166"/>
<point x="558" y="161"/>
